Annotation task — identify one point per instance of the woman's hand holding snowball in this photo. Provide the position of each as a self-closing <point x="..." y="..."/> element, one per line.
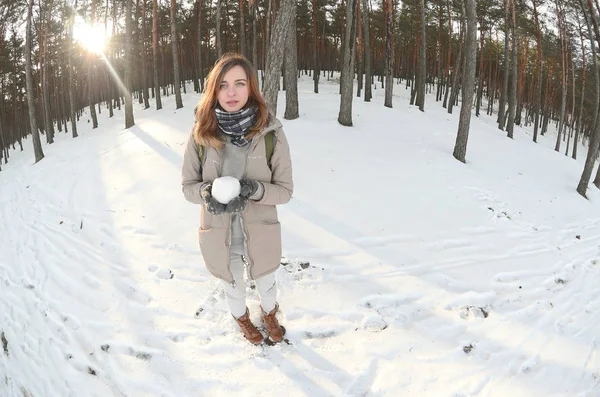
<point x="212" y="205"/>
<point x="248" y="187"/>
<point x="237" y="204"/>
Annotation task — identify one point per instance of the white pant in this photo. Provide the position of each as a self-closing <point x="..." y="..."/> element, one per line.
<point x="236" y="296"/>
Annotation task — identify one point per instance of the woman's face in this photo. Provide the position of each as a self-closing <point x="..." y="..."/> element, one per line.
<point x="232" y="92"/>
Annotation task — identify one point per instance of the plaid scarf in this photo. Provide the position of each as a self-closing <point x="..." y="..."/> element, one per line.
<point x="237" y="124"/>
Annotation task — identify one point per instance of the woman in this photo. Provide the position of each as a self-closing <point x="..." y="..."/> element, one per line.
<point x="229" y="139"/>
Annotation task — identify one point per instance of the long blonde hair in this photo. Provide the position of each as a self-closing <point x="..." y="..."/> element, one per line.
<point x="205" y="129"/>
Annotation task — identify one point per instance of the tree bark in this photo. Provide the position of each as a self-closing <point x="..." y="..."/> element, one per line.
<point x="37" y="145"/>
<point x="90" y="90"/>
<point x="291" y="70"/>
<point x="316" y="71"/>
<point x="129" y="121"/>
<point x="254" y="44"/>
<point x="448" y="58"/>
<point x="460" y="148"/>
<point x="218" y="30"/>
<point x="481" y="75"/>
<point x="175" y="49"/>
<point x="155" y="54"/>
<point x="595" y="134"/>
<point x="275" y="54"/>
<point x="389" y="53"/>
<point x="512" y="97"/>
<point x="563" y="106"/>
<point x="49" y="125"/>
<point x="144" y="85"/>
<point x="538" y="94"/>
<point x="583" y="87"/>
<point x="72" y="103"/>
<point x="503" y="95"/>
<point x="242" y="29"/>
<point x="457" y="66"/>
<point x="345" y="114"/>
<point x="422" y="62"/>
<point x="200" y="70"/>
<point x="367" y="53"/>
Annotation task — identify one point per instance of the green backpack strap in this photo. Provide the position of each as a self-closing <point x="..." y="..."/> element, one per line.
<point x="201" y="154"/>
<point x="269" y="145"/>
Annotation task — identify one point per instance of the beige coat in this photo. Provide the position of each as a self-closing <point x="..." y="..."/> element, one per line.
<point x="262" y="231"/>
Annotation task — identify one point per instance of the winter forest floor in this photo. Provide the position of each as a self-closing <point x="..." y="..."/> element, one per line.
<point x="408" y="273"/>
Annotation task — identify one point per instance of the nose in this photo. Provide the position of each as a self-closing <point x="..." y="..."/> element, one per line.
<point x="231" y="91"/>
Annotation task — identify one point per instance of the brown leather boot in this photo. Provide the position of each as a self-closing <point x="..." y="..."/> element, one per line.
<point x="249" y="330"/>
<point x="273" y="328"/>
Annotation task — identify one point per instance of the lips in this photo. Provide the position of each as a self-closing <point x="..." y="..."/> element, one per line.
<point x="231" y="102"/>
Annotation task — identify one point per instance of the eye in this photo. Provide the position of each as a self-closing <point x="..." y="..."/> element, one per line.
<point x="223" y="86"/>
<point x="240" y="84"/>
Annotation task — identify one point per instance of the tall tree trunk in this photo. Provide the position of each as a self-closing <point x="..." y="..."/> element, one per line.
<point x="175" y="49"/>
<point x="267" y="38"/>
<point x="345" y="114"/>
<point x="49" y="125"/>
<point x="503" y="95"/>
<point x="359" y="51"/>
<point x="367" y="53"/>
<point x="564" y="72"/>
<point x="595" y="134"/>
<point x="37" y="145"/>
<point x="422" y="62"/>
<point x="481" y="74"/>
<point x="137" y="44"/>
<point x="572" y="115"/>
<point x="316" y="71"/>
<point x="254" y="38"/>
<point x="155" y="54"/>
<point x="594" y="118"/>
<point x="389" y="53"/>
<point x="129" y="121"/>
<point x="460" y="148"/>
<point x="90" y="90"/>
<point x="583" y="87"/>
<point x="538" y="94"/>
<point x="457" y="66"/>
<point x="291" y="70"/>
<point x="448" y="57"/>
<point x="199" y="4"/>
<point x="242" y="29"/>
<point x="111" y="86"/>
<point x="275" y="54"/>
<point x="144" y="85"/>
<point x="70" y="49"/>
<point x="512" y="98"/>
<point x="590" y="19"/>
<point x="218" y="30"/>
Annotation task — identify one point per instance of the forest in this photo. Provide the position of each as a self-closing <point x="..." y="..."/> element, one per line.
<point x="526" y="62"/>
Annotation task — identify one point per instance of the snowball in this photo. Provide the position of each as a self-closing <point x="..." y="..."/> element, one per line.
<point x="226" y="188"/>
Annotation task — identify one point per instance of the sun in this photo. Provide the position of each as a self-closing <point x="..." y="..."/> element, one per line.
<point x="91" y="37"/>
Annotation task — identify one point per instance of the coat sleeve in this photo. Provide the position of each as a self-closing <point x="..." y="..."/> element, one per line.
<point x="191" y="172"/>
<point x="281" y="188"/>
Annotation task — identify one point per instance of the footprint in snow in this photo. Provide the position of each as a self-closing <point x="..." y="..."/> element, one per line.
<point x="162" y="273"/>
<point x="210" y="303"/>
<point x="165" y="274"/>
<point x="130" y="351"/>
<point x="474" y="312"/>
<point x="71" y="323"/>
<point x="320" y="334"/>
<point x="374" y="323"/>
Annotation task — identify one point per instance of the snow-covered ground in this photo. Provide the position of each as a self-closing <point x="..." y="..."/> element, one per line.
<point x="409" y="274"/>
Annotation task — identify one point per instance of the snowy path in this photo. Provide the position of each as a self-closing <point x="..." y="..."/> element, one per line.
<point x="75" y="262"/>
